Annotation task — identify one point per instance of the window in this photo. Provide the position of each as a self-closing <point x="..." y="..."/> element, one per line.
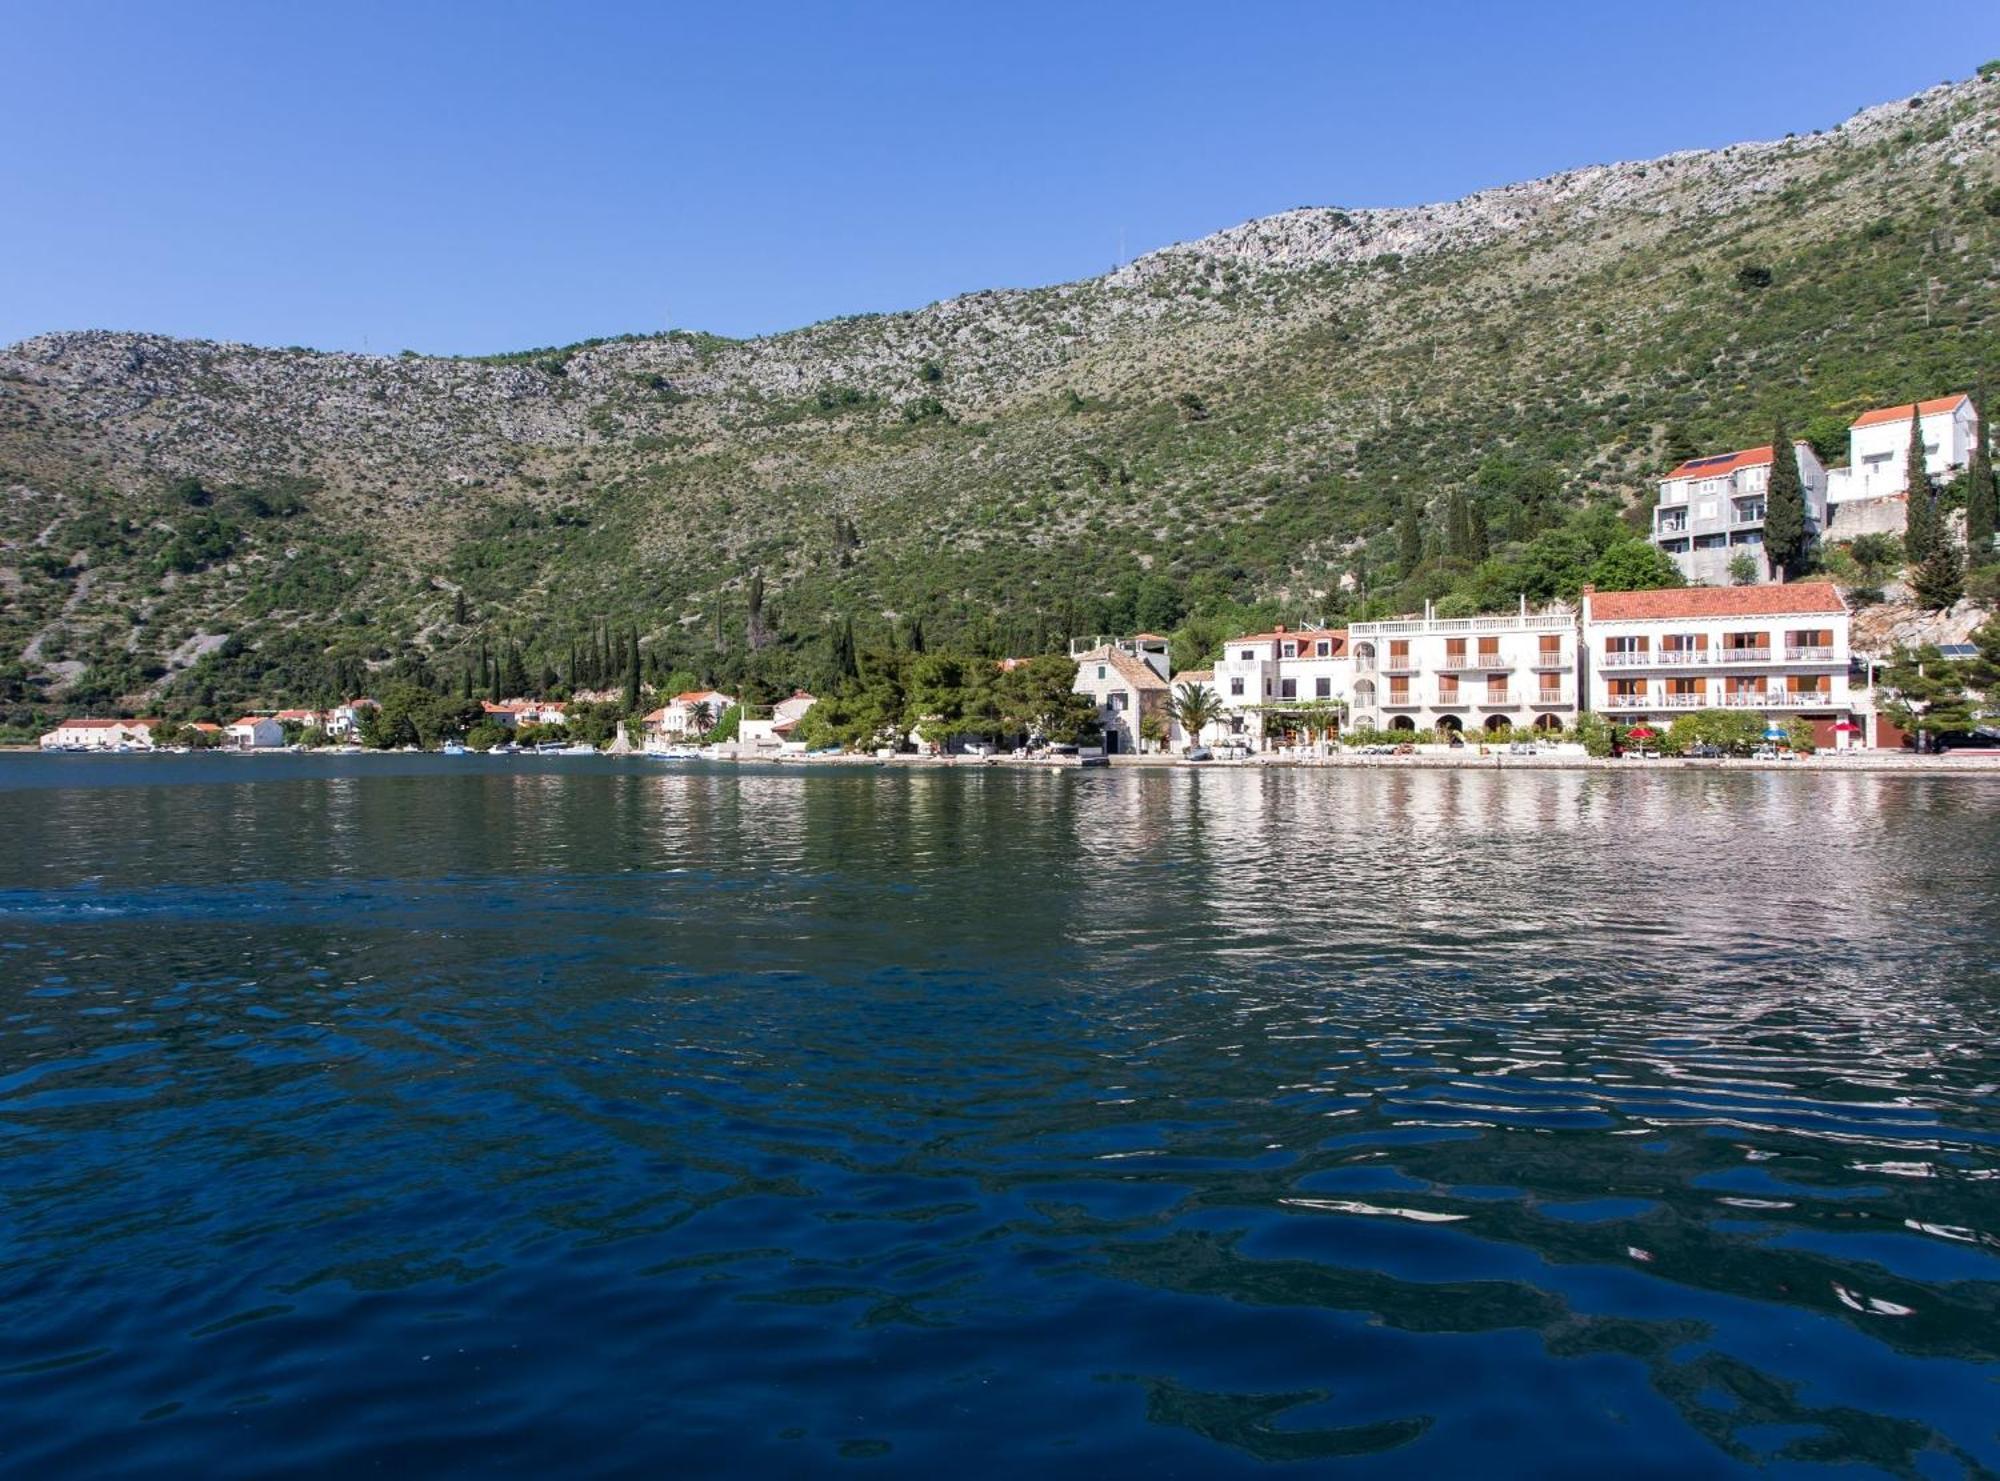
<point x="1100" y="671"/>
<point x="1750" y="508"/>
<point x="1710" y="542"/>
<point x="1288" y="689"/>
<point x="1249" y="655"/>
<point x="1236" y="688"/>
<point x="1323" y="649"/>
<point x="1290" y="650"/>
<point x="1322" y="687"/>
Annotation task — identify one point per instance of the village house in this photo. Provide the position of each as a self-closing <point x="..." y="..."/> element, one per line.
<point x="771" y="727"/>
<point x="1711" y="510"/>
<point x="304" y="719"/>
<point x="1284" y="685"/>
<point x="681" y="716"/>
<point x="1452" y="674"/>
<point x="1126" y="680"/>
<point x="1781" y="651"/>
<point x="512" y="714"/>
<point x="1869" y="495"/>
<point x="1209" y="733"/>
<point x="100" y="735"/>
<point x="343" y="721"/>
<point x="253" y="733"/>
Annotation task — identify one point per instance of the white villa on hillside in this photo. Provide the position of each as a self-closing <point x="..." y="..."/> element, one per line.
<point x="100" y="735"/>
<point x="512" y="714"/>
<point x="343" y="721"/>
<point x="1869" y="495"/>
<point x="678" y="717"/>
<point x="253" y="733"/>
<point x="1514" y="672"/>
<point x="1126" y="679"/>
<point x="1302" y="679"/>
<point x="771" y="727"/>
<point x="1779" y="650"/>
<point x="1711" y="510"/>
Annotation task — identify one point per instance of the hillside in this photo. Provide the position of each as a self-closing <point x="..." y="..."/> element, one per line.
<point x="1222" y="425"/>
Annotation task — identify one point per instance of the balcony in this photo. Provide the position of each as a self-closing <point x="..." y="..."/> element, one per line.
<point x="1808" y="655"/>
<point x="1777" y="699"/>
<point x="1454" y="699"/>
<point x="1497" y="699"/>
<point x="1399" y="666"/>
<point x="1760" y="654"/>
<point x="1682" y="700"/>
<point x="1552" y="663"/>
<point x="1551" y="698"/>
<point x="1625" y="660"/>
<point x="1403" y="700"/>
<point x="1472" y="663"/>
<point x="1627" y="702"/>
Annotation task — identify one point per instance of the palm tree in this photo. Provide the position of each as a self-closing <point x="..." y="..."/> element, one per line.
<point x="1196" y="708"/>
<point x="701" y="717"/>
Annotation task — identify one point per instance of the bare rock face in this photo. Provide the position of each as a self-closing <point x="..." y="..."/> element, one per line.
<point x="1881" y="630"/>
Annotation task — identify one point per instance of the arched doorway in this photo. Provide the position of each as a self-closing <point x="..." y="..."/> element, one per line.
<point x="1364" y="695"/>
<point x="1497" y="723"/>
<point x="1364" y="656"/>
<point x="1548" y="723"/>
<point x="1402" y="722"/>
<point x="1451" y="730"/>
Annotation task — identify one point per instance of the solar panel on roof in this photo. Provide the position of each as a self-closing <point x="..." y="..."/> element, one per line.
<point x="1957" y="650"/>
<point x="1712" y="458"/>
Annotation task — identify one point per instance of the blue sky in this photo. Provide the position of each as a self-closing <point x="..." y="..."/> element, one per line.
<point x="462" y="178"/>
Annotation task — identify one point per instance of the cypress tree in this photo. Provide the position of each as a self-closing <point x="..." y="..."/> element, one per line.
<point x="1784" y="507"/>
<point x="1409" y="538"/>
<point x="1982" y="501"/>
<point x="632" y="672"/>
<point x="1458" y="526"/>
<point x="845" y="662"/>
<point x="753" y="622"/>
<point x="458" y="607"/>
<point x="1921" y="526"/>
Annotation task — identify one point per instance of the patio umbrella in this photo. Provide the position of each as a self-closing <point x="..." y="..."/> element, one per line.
<point x="1774" y="732"/>
<point x="1848" y="727"/>
<point x="1642" y="732"/>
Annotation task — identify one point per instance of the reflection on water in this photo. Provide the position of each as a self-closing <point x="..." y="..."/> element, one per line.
<point x="600" y="1117"/>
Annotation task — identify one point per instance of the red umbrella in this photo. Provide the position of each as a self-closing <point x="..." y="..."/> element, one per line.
<point x="1641" y="732"/>
<point x="1848" y="727"/>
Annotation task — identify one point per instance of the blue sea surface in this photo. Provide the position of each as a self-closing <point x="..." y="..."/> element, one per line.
<point x="593" y="1117"/>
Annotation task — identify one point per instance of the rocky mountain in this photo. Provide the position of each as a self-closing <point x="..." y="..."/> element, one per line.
<point x="1229" y="421"/>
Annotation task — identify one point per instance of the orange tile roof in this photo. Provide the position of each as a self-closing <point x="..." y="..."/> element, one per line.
<point x="1931" y="408"/>
<point x="1300" y="634"/>
<point x="691" y="694"/>
<point x="1718" y="465"/>
<point x="1195" y="676"/>
<point x="1131" y="670"/>
<point x="1717" y="601"/>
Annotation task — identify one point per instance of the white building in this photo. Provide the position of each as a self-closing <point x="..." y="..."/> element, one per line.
<point x="343" y="721"/>
<point x="1126" y="679"/>
<point x="253" y="733"/>
<point x="100" y="735"/>
<point x="1293" y="684"/>
<point x="679" y="717"/>
<point x="1447" y="674"/>
<point x="771" y="727"/>
<point x="1781" y="651"/>
<point x="1711" y="510"/>
<point x="1878" y="447"/>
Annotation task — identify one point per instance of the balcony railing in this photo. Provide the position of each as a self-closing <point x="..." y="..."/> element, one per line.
<point x="1796" y="654"/>
<point x="1399" y="666"/>
<point x="1465" y="663"/>
<point x="1760" y="654"/>
<point x="1625" y="660"/>
<point x="1453" y="699"/>
<point x="1403" y="701"/>
<point x="1411" y="626"/>
<point x="1550" y="697"/>
<point x="1626" y="702"/>
<point x="1497" y="699"/>
<point x="1552" y="662"/>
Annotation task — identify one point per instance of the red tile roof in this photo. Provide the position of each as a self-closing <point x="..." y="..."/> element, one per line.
<point x="1799" y="597"/>
<point x="1720" y="465"/>
<point x="1930" y="408"/>
<point x="1195" y="676"/>
<point x="1131" y="670"/>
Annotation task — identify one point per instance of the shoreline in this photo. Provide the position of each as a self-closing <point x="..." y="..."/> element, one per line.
<point x="1960" y="763"/>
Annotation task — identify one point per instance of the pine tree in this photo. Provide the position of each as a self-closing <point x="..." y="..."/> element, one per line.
<point x="1784" y="507"/>
<point x="1922" y="528"/>
<point x="1409" y="538"/>
<point x="1939" y="579"/>
<point x="1982" y="500"/>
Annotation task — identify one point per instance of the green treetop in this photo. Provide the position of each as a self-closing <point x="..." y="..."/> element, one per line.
<point x="1982" y="501"/>
<point x="1923" y="529"/>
